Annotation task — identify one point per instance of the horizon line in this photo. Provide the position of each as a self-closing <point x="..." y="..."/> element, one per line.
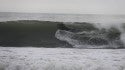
<point x="58" y="13"/>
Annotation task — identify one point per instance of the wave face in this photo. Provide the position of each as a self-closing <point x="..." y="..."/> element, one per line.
<point x="33" y="33"/>
<point x="87" y="35"/>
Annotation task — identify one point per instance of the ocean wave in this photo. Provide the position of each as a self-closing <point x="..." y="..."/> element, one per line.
<point x="61" y="34"/>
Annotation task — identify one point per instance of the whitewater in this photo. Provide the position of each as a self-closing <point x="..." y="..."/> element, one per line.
<point x="12" y="58"/>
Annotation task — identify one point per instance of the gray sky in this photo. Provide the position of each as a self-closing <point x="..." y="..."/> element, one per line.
<point x="64" y="6"/>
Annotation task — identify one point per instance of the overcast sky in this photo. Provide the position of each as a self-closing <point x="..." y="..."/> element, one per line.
<point x="64" y="6"/>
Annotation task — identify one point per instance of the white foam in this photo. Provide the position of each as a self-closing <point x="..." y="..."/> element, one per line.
<point x="61" y="59"/>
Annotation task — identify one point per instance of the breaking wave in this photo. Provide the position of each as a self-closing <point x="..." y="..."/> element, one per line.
<point x="88" y="35"/>
<point x="52" y="34"/>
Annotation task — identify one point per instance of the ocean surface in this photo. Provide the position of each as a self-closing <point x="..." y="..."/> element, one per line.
<point x="34" y="41"/>
<point x="76" y="30"/>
